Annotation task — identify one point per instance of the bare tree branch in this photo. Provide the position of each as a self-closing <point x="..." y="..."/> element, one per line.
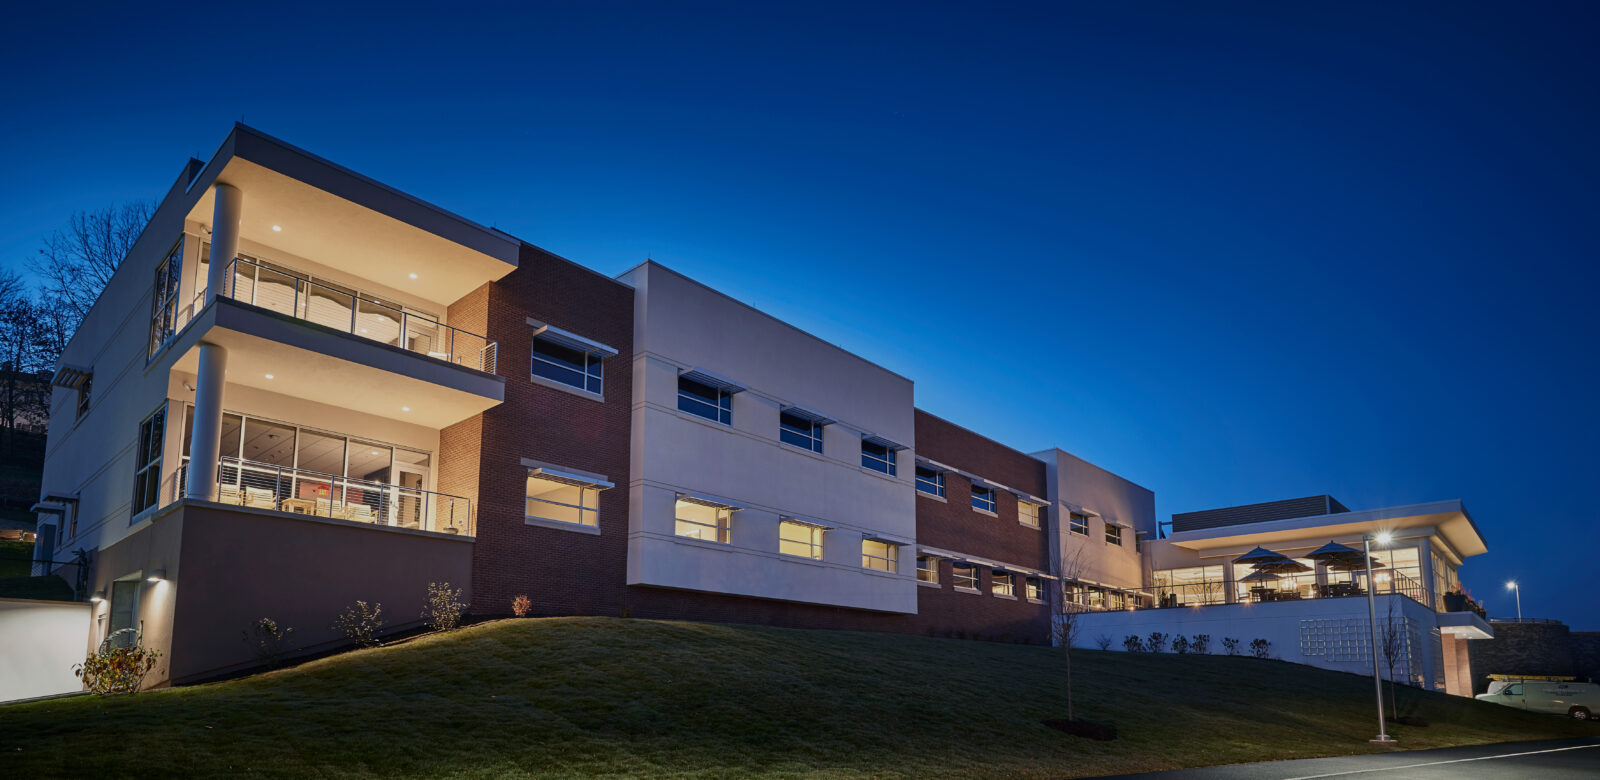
<point x="76" y="262"/>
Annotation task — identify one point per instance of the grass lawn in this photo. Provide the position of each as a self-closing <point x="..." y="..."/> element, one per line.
<point x="587" y="696"/>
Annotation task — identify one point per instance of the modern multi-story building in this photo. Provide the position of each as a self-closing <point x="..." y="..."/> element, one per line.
<point x="303" y="388"/>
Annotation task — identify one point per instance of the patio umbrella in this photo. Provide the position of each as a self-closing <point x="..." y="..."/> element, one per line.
<point x="1260" y="576"/>
<point x="1260" y="555"/>
<point x="1333" y="551"/>
<point x="1351" y="564"/>
<point x="1284" y="566"/>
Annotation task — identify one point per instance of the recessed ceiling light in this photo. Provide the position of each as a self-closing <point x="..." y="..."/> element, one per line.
<point x="405" y="408"/>
<point x="413" y="276"/>
<point x="277" y="228"/>
<point x="269" y="376"/>
<point x="374" y="452"/>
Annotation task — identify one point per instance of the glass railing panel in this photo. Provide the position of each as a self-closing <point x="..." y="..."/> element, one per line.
<point x="329" y="307"/>
<point x="378" y="322"/>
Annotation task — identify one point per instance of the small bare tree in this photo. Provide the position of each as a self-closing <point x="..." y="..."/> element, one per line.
<point x="76" y="262"/>
<point x="1067" y="623"/>
<point x="1392" y="644"/>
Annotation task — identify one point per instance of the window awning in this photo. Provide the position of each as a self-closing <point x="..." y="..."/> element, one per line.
<point x="806" y="521"/>
<point x="709" y="379"/>
<point x="808" y="414"/>
<point x="570" y="340"/>
<point x="1030" y="498"/>
<point x="570" y="478"/>
<point x="933" y="464"/>
<point x="719" y="503"/>
<point x="882" y="442"/>
<point x="872" y="537"/>
<point x="70" y="376"/>
<point x="48" y="508"/>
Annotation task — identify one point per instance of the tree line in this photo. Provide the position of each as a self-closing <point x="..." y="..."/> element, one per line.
<point x="38" y="316"/>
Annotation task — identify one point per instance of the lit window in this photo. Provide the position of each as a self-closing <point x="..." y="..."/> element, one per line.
<point x="1079" y="523"/>
<point x="147" y="461"/>
<point x="561" y="502"/>
<point x="983" y="498"/>
<point x="1003" y="584"/>
<point x="879" y="555"/>
<point x="697" y="520"/>
<point x="800" y="539"/>
<point x="1075" y="593"/>
<point x="928" y="569"/>
<point x="556" y="359"/>
<point x="930" y="481"/>
<point x="1028" y="513"/>
<point x="712" y="403"/>
<point x="1114" y="534"/>
<point x="1033" y="588"/>
<point x="1097" y="598"/>
<point x="1115" y="600"/>
<point x="878" y="457"/>
<point x="964" y="576"/>
<point x="801" y="431"/>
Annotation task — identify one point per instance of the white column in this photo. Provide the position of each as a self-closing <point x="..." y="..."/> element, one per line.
<point x="226" y="214"/>
<point x="205" y="437"/>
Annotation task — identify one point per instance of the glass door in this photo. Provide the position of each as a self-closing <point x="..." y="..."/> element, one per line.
<point x="410" y="482"/>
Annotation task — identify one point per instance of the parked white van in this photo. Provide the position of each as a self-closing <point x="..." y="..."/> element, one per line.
<point x="1576" y="699"/>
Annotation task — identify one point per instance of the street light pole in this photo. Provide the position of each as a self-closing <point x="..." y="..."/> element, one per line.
<point x="1518" y="588"/>
<point x="1372" y="613"/>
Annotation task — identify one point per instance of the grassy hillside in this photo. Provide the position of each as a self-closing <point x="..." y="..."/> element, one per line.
<point x="582" y="696"/>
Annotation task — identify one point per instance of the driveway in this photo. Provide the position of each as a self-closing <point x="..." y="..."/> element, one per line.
<point x="1547" y="760"/>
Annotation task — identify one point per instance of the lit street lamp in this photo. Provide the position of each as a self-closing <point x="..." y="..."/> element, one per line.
<point x="1512" y="585"/>
<point x="1372" y="612"/>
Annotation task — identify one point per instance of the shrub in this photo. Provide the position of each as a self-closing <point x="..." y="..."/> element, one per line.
<point x="1201" y="643"/>
<point x="1261" y="648"/>
<point x="1180" y="645"/>
<point x="360" y="623"/>
<point x="1132" y="644"/>
<point x="442" y="610"/>
<point x="1231" y="645"/>
<point x="1103" y="641"/>
<point x="1156" y="642"/>
<point x="520" y="606"/>
<point x="269" y="640"/>
<point x="114" y="670"/>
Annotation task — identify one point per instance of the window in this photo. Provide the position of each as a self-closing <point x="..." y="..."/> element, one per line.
<point x="557" y="360"/>
<point x="147" y="461"/>
<point x="1116" y="600"/>
<point x="1028" y="513"/>
<point x="1097" y="598"/>
<point x="882" y="556"/>
<point x="878" y="456"/>
<point x="712" y="403"/>
<point x="164" y="299"/>
<point x="800" y="539"/>
<point x="927" y="569"/>
<point x="562" y="502"/>
<point x="1075" y="593"/>
<point x="1138" y="543"/>
<point x="83" y="395"/>
<point x="800" y="430"/>
<point x="1033" y="588"/>
<point x="1003" y="584"/>
<point x="1114" y="534"/>
<point x="123" y="630"/>
<point x="983" y="498"/>
<point x="930" y="481"/>
<point x="698" y="520"/>
<point x="964" y="576"/>
<point x="1079" y="523"/>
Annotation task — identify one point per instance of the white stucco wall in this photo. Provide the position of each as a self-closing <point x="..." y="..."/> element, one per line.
<point x="40" y="641"/>
<point x="680" y="324"/>
<point x="1079" y="486"/>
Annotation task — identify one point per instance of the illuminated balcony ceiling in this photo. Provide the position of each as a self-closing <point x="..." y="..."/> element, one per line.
<point x="335" y="217"/>
<point x="1448" y="518"/>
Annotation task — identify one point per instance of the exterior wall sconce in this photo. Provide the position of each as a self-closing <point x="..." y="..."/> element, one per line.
<point x="157" y="576"/>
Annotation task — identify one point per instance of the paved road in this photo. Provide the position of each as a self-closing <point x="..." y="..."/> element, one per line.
<point x="1548" y="760"/>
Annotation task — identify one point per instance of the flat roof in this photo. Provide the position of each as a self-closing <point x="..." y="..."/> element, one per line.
<point x="1451" y="519"/>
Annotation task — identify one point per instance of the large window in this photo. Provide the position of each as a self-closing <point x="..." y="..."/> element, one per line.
<point x="1116" y="600"/>
<point x="1078" y="523"/>
<point x="930" y="481"/>
<point x="879" y="555"/>
<point x="123" y="628"/>
<point x="1114" y="534"/>
<point x="801" y="431"/>
<point x="878" y="457"/>
<point x="964" y="576"/>
<point x="147" y="461"/>
<point x="928" y="569"/>
<point x="712" y="403"/>
<point x="800" y="539"/>
<point x="548" y="499"/>
<point x="561" y="363"/>
<point x="1028" y="513"/>
<point x="1003" y="584"/>
<point x="697" y="520"/>
<point x="164" y="299"/>
<point x="983" y="498"/>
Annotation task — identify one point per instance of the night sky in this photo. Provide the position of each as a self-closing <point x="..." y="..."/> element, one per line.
<point x="1233" y="252"/>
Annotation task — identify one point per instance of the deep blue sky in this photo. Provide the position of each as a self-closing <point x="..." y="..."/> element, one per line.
<point x="1235" y="252"/>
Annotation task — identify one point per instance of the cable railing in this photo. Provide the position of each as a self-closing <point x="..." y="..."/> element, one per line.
<point x="299" y="491"/>
<point x="348" y="310"/>
<point x="1288" y="588"/>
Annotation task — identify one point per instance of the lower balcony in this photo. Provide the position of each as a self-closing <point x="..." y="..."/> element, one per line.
<point x="398" y="504"/>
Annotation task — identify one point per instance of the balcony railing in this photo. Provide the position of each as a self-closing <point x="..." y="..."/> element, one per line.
<point x="298" y="491"/>
<point x="1291" y="589"/>
<point x="348" y="310"/>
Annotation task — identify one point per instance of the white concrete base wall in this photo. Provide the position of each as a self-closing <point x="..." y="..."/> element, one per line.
<point x="40" y="642"/>
<point x="1278" y="623"/>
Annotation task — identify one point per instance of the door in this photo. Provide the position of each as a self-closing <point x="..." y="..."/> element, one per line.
<point x="409" y="499"/>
